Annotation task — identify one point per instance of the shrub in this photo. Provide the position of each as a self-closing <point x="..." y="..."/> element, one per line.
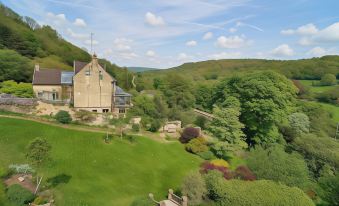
<point x="299" y="122"/>
<point x="208" y="155"/>
<point x="201" y="122"/>
<point x="63" y="117"/>
<point x="85" y="116"/>
<point x="20" y="90"/>
<point x="188" y="134"/>
<point x="220" y="163"/>
<point x="19" y="195"/>
<point x="155" y="126"/>
<point x="197" y="145"/>
<point x="135" y="127"/>
<point x="328" y="80"/>
<point x="207" y="166"/>
<point x="244" y="173"/>
<point x="194" y="188"/>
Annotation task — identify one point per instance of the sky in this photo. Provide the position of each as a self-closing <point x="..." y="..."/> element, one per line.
<point x="167" y="33"/>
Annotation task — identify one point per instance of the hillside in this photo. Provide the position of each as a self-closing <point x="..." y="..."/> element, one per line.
<point x="213" y="70"/>
<point x="141" y="69"/>
<point x="23" y="43"/>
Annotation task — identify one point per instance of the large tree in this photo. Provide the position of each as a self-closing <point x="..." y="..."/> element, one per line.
<point x="266" y="100"/>
<point x="38" y="151"/>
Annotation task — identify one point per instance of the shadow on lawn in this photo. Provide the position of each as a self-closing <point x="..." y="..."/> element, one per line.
<point x="59" y="179"/>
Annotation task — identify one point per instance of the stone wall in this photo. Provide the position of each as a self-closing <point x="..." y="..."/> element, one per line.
<point x="8" y="99"/>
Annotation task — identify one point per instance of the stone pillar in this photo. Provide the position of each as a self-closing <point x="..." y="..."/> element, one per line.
<point x="170" y="194"/>
<point x="184" y="201"/>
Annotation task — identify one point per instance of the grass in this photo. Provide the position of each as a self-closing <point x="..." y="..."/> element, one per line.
<point x="317" y="89"/>
<point x="101" y="174"/>
<point x="334" y="110"/>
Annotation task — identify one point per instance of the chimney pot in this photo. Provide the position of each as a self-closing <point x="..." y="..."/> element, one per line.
<point x="37" y="67"/>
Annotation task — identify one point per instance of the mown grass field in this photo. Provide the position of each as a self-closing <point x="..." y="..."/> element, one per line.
<point x="317" y="89"/>
<point x="101" y="174"/>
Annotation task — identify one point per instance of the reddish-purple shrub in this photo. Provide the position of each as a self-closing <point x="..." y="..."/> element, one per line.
<point x="188" y="134"/>
<point x="207" y="166"/>
<point x="244" y="173"/>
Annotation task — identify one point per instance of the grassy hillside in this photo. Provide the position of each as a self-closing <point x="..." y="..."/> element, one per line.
<point x="213" y="70"/>
<point x="101" y="174"/>
<point x="141" y="69"/>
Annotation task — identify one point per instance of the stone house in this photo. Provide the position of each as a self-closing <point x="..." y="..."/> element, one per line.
<point x="88" y="87"/>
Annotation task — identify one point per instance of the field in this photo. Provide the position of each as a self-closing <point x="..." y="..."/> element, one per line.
<point x="101" y="174"/>
<point x="317" y="89"/>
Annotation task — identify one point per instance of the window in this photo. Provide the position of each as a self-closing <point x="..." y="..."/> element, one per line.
<point x="100" y="75"/>
<point x="94" y="110"/>
<point x="121" y="111"/>
<point x="105" y="110"/>
<point x="88" y="72"/>
<point x="40" y="94"/>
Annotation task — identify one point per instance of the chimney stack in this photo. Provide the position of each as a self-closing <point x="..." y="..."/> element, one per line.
<point x="37" y="67"/>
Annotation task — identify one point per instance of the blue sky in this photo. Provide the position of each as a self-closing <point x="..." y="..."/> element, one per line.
<point x="166" y="33"/>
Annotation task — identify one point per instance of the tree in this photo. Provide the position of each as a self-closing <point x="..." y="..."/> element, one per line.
<point x="38" y="151"/>
<point x="15" y="67"/>
<point x="277" y="165"/>
<point x="63" y="117"/>
<point x="194" y="188"/>
<point x="266" y="99"/>
<point x="203" y="95"/>
<point x="226" y="125"/>
<point x="201" y="122"/>
<point x="328" y="80"/>
<point x="19" y="195"/>
<point x="299" y="122"/>
<point x="330" y="189"/>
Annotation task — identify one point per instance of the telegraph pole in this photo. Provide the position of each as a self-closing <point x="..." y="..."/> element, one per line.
<point x="92" y="43"/>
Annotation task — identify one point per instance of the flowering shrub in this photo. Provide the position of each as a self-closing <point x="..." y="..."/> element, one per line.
<point x="188" y="134"/>
<point x="197" y="145"/>
<point x="207" y="166"/>
<point x="244" y="173"/>
<point x="220" y="163"/>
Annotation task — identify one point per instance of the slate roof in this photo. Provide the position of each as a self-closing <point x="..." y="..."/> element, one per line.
<point x="120" y="92"/>
<point x="79" y="66"/>
<point x="67" y="77"/>
<point x="47" y="77"/>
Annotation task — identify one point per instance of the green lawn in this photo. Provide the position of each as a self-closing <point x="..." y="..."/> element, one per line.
<point x="317" y="89"/>
<point x="334" y="110"/>
<point x="101" y="174"/>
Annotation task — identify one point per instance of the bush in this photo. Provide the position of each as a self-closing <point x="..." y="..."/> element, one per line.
<point x="135" y="127"/>
<point x="328" y="80"/>
<point x="19" y="195"/>
<point x="63" y="117"/>
<point x="197" y="145"/>
<point x="20" y="90"/>
<point x="244" y="173"/>
<point x="208" y="155"/>
<point x="85" y="116"/>
<point x="220" y="163"/>
<point x="194" y="188"/>
<point x="299" y="122"/>
<point x="155" y="126"/>
<point x="188" y="134"/>
<point x="201" y="122"/>
<point x="208" y="166"/>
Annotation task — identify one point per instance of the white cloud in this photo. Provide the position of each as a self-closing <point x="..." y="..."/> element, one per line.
<point x="150" y="53"/>
<point x="191" y="43"/>
<point x="94" y="42"/>
<point x="232" y="30"/>
<point x="72" y="34"/>
<point x="80" y="22"/>
<point x="231" y="42"/>
<point x="308" y="29"/>
<point x="128" y="55"/>
<point x="56" y="19"/>
<point x="329" y="34"/>
<point x="122" y="44"/>
<point x="154" y="20"/>
<point x="225" y="55"/>
<point x="183" y="57"/>
<point x="317" y="52"/>
<point x="207" y="36"/>
<point x="305" y="41"/>
<point x="283" y="50"/>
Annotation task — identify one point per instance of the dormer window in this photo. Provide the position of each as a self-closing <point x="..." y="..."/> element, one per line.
<point x="88" y="72"/>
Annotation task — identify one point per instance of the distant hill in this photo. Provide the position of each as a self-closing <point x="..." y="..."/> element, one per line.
<point x="212" y="71"/>
<point x="141" y="69"/>
<point x="23" y="43"/>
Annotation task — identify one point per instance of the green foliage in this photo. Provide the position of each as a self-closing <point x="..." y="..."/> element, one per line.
<point x="266" y="98"/>
<point x="15" y="67"/>
<point x="299" y="122"/>
<point x="19" y="195"/>
<point x="63" y="117"/>
<point x="136" y="127"/>
<point x="328" y="80"/>
<point x="194" y="188"/>
<point x="207" y="155"/>
<point x="226" y="125"/>
<point x="201" y="122"/>
<point x="155" y="126"/>
<point x="152" y="107"/>
<point x="85" y="116"/>
<point x="330" y="189"/>
<point x="277" y="165"/>
<point x="204" y="95"/>
<point x="38" y="151"/>
<point x="197" y="145"/>
<point x="19" y="90"/>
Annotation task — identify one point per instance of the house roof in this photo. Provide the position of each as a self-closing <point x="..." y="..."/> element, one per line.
<point x="78" y="66"/>
<point x="120" y="92"/>
<point x="67" y="77"/>
<point x="47" y="77"/>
